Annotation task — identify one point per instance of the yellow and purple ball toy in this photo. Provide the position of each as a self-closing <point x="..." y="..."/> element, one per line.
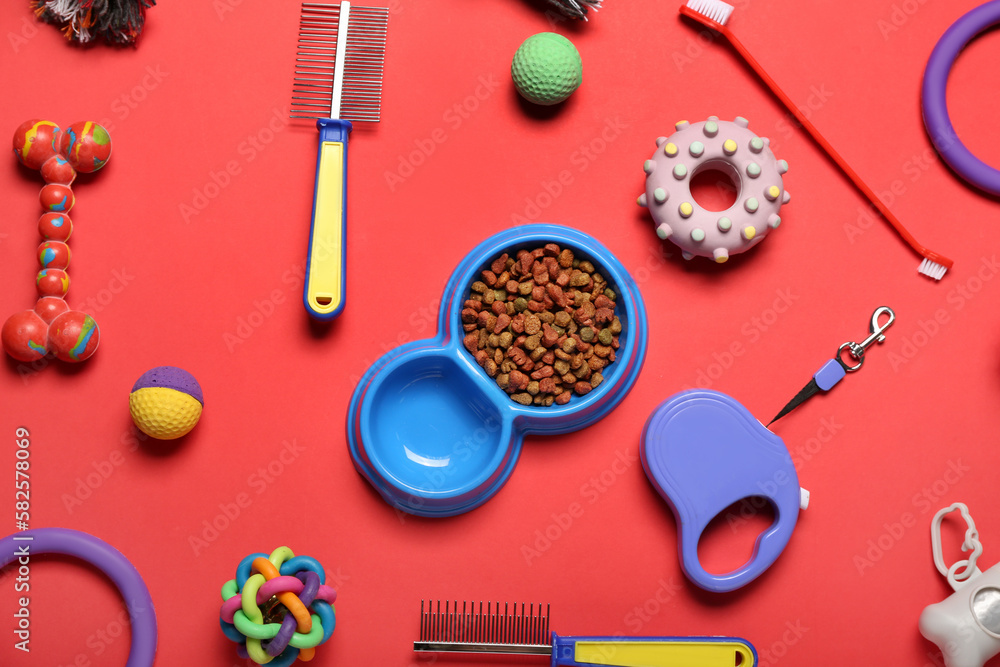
<point x="278" y="608"/>
<point x="166" y="402"/>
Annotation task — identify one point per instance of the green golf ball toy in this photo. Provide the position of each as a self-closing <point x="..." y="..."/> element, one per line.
<point x="546" y="68"/>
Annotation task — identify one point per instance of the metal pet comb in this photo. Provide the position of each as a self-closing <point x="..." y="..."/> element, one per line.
<point x="341" y="51"/>
<point x="484" y="628"/>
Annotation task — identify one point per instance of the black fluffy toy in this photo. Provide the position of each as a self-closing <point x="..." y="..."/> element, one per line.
<point x="83" y="21"/>
<point x="576" y="9"/>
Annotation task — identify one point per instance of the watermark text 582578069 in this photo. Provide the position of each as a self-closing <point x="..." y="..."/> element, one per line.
<point x="22" y="517"/>
<point x="22" y="479"/>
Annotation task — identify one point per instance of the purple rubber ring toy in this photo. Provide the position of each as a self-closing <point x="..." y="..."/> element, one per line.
<point x="104" y="557"/>
<point x="935" y="103"/>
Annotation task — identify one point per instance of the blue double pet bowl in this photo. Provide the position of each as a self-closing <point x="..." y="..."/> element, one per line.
<point x="434" y="434"/>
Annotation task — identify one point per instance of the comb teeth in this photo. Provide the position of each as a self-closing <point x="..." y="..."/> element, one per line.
<point x="348" y="88"/>
<point x="483" y="627"/>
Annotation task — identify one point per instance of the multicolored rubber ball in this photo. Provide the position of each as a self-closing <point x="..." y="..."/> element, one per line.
<point x="278" y="609"/>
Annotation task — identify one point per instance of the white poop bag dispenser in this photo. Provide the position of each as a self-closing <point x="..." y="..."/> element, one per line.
<point x="965" y="626"/>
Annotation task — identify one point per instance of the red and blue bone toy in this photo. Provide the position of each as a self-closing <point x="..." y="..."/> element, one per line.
<point x="59" y="155"/>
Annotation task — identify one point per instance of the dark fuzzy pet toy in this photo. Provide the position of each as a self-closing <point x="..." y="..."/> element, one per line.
<point x="115" y="21"/>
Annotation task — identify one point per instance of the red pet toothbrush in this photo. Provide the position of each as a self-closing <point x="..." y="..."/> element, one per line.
<point x="715" y="14"/>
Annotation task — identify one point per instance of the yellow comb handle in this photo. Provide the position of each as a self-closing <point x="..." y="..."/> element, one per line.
<point x="325" y="292"/>
<point x="653" y="651"/>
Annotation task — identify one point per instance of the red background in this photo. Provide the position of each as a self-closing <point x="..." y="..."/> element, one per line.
<point x="216" y="289"/>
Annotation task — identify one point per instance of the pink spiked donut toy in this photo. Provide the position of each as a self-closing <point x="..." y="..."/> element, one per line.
<point x="732" y="149"/>
<point x="51" y="326"/>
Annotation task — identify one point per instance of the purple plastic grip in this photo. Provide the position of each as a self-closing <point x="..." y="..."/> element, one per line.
<point x="830" y="374"/>
<point x="935" y="104"/>
<point x="703" y="451"/>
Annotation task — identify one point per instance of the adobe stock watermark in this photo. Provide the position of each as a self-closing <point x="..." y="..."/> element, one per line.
<point x="92" y="305"/>
<point x="421" y="320"/>
<point x="88" y="483"/>
<point x="123" y="105"/>
<point x="788" y="124"/>
<point x="899" y="15"/>
<point x="223" y="8"/>
<point x="95" y="303"/>
<point x="935" y="658"/>
<point x="580" y="160"/>
<point x="790" y="636"/>
<point x="694" y="46"/>
<point x="751" y="331"/>
<point x="150" y="79"/>
<point x="636" y="620"/>
<point x="263" y="308"/>
<point x="453" y="118"/>
<point x="423" y="660"/>
<point x="866" y="215"/>
<point x="802" y="455"/>
<point x="958" y="297"/>
<point x="641" y="614"/>
<point x="260" y="312"/>
<point x="656" y="259"/>
<point x="461" y="451"/>
<point x="928" y="498"/>
<point x="591" y="491"/>
<point x="26" y="30"/>
<point x="247" y="151"/>
<point x="231" y="510"/>
<point x="101" y="640"/>
<point x="964" y="641"/>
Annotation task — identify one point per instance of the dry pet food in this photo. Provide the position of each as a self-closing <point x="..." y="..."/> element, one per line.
<point x="542" y="324"/>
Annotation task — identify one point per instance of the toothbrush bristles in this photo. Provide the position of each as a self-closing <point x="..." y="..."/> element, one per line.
<point x="932" y="269"/>
<point x="715" y="10"/>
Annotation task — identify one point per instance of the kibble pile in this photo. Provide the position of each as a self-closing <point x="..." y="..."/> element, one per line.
<point x="542" y="324"/>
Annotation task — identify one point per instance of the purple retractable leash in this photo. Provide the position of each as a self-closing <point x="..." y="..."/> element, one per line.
<point x="703" y="451"/>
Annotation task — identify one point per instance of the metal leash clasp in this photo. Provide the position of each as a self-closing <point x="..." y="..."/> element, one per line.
<point x="857" y="350"/>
